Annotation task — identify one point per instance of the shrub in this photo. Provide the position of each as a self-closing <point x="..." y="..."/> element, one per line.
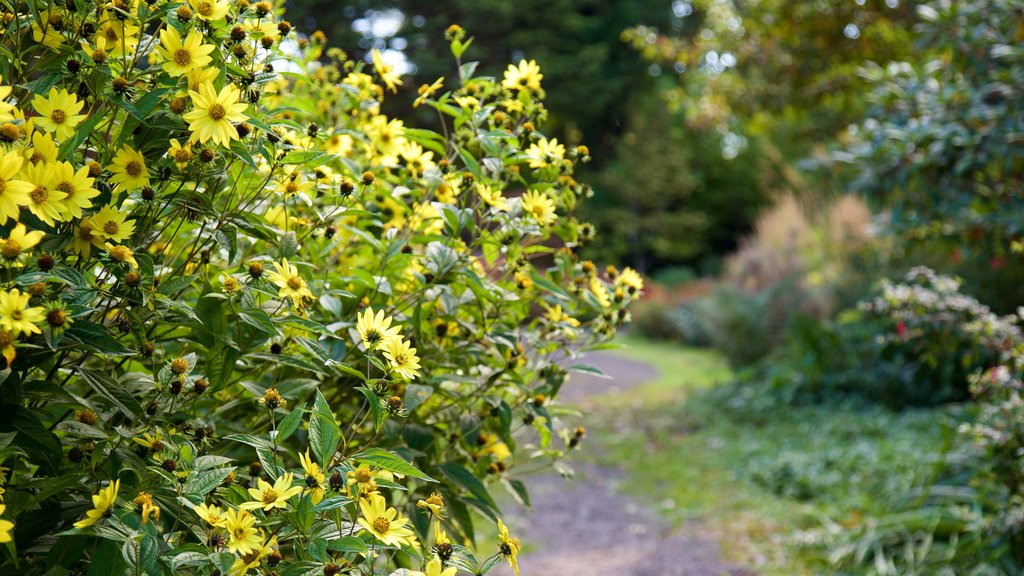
<point x="250" y="322"/>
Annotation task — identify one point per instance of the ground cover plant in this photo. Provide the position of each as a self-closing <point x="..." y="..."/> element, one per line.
<point x="252" y="324"/>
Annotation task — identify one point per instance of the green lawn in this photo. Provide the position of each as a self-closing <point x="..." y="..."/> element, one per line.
<point x="756" y="481"/>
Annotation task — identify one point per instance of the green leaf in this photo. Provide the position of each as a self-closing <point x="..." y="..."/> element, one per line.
<point x="290" y="423"/>
<point x="588" y="369"/>
<point x="376" y="410"/>
<point x="97" y="338"/>
<point x="391" y="462"/>
<point x="201" y="483"/>
<point x="106" y="387"/>
<point x="324" y="432"/>
<point x="465" y="479"/>
<point x="348" y="544"/>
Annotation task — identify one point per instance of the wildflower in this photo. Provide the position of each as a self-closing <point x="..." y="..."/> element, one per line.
<point x="214" y="112"/>
<point x="375" y="329"/>
<point x="272" y="399"/>
<point x="340" y="144"/>
<point x="180" y="155"/>
<point x="16" y="316"/>
<point x="7" y="346"/>
<point x="314" y="477"/>
<point x="401" y="357"/>
<point x="436" y="568"/>
<point x="183" y="56"/>
<point x="146" y="507"/>
<point x="292" y="185"/>
<point x="102" y="501"/>
<point x="252" y="559"/>
<point x="196" y="78"/>
<point x="362" y="478"/>
<point x="629" y="278"/>
<point x="18" y="242"/>
<point x="230" y="284"/>
<point x="427" y="90"/>
<point x="386" y="524"/>
<point x="85" y="237"/>
<point x="43" y="149"/>
<point x="128" y="170"/>
<point x="556" y="316"/>
<point x="600" y="292"/>
<point x="212" y="515"/>
<point x="492" y="197"/>
<point x="385" y="71"/>
<point x="539" y="206"/>
<point x="154" y="442"/>
<point x="123" y="254"/>
<point x="269" y="496"/>
<point x="544" y="153"/>
<point x="434" y="504"/>
<point x="119" y="36"/>
<point x="13" y="193"/>
<point x="5" y="527"/>
<point x="76" y="186"/>
<point x="243" y="537"/>
<point x="291" y="285"/>
<point x="210" y="10"/>
<point x="416" y="159"/>
<point x="44" y="200"/>
<point x="525" y="76"/>
<point x="509" y="547"/>
<point x="58" y="112"/>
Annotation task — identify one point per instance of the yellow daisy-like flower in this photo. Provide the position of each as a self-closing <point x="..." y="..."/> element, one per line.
<point x="291" y="285"/>
<point x="386" y="524"/>
<point x="112" y="224"/>
<point x="146" y="507"/>
<point x="13" y="193"/>
<point x="253" y="559"/>
<point x="18" y="242"/>
<point x="436" y="568"/>
<point x="118" y="36"/>
<point x="123" y="254"/>
<point x="362" y="478"/>
<point x="85" y="236"/>
<point x="630" y="279"/>
<point x="6" y="108"/>
<point x="340" y="144"/>
<point x="44" y="199"/>
<point x="539" y="206"/>
<point x="492" y="197"/>
<point x="102" y="502"/>
<point x="47" y="28"/>
<point x="508" y="546"/>
<point x="386" y="72"/>
<point x="434" y="504"/>
<point x="180" y="56"/>
<point x="292" y="185"/>
<point x="5" y="527"/>
<point x="426" y="91"/>
<point x="58" y="112"/>
<point x="315" y="478"/>
<point x="243" y="537"/>
<point x="525" y="76"/>
<point x="7" y="346"/>
<point x="401" y="357"/>
<point x="181" y="155"/>
<point x="43" y="149"/>
<point x="213" y="114"/>
<point x="556" y="315"/>
<point x="212" y="515"/>
<point x="128" y="170"/>
<point x="269" y="496"/>
<point x="210" y="10"/>
<point x="76" y="186"/>
<point x="600" y="292"/>
<point x="416" y="159"/>
<point x="544" y="153"/>
<point x="200" y="76"/>
<point x="375" y="329"/>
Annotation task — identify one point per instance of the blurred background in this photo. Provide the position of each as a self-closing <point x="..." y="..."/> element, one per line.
<point x="796" y="395"/>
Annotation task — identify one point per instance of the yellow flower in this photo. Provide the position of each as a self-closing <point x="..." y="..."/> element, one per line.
<point x="76" y="186"/>
<point x="526" y="76"/>
<point x="5" y="527"/>
<point x="387" y="136"/>
<point x="416" y="159"/>
<point x="123" y="254"/>
<point x="363" y="478"/>
<point x="43" y="148"/>
<point x="315" y="478"/>
<point x="375" y="329"/>
<point x="291" y="285"/>
<point x="386" y="524"/>
<point x="435" y="568"/>
<point x="46" y="29"/>
<point x="434" y="504"/>
<point x="214" y="112"/>
<point x="555" y="315"/>
<point x="183" y="56"/>
<point x="630" y="279"/>
<point x="544" y="152"/>
<point x="128" y="170"/>
<point x="253" y="559"/>
<point x="7" y="346"/>
<point x="200" y="76"/>
<point x="340" y="144"/>
<point x="180" y="155"/>
<point x="269" y="496"/>
<point x="102" y="502"/>
<point x="243" y="537"/>
<point x="85" y="237"/>
<point x="427" y="90"/>
<point x="492" y="197"/>
<point x="58" y="112"/>
<point x="154" y="442"/>
<point x="292" y="185"/>
<point x="20" y="240"/>
<point x="539" y="206"/>
<point x="13" y="193"/>
<point x="118" y="36"/>
<point x="401" y="357"/>
<point x="17" y="316"/>
<point x="44" y="200"/>
<point x="385" y="71"/>
<point x="6" y="108"/>
<point x="210" y="10"/>
<point x="213" y="515"/>
<point x="508" y="546"/>
<point x="600" y="292"/>
<point x="146" y="507"/>
<point x="112" y="225"/>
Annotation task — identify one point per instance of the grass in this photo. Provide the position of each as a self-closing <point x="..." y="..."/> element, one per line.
<point x="758" y="481"/>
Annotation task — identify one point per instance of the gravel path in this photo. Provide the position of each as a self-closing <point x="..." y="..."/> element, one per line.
<point x="587" y="526"/>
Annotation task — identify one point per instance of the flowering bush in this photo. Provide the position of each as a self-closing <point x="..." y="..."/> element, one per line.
<point x="249" y="322"/>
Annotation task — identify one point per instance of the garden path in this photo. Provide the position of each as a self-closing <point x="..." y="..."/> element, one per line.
<point x="589" y="527"/>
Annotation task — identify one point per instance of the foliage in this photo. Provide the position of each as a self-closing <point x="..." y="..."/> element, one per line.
<point x="252" y="323"/>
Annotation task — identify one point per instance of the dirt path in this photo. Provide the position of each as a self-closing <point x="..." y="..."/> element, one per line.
<point x="588" y="527"/>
